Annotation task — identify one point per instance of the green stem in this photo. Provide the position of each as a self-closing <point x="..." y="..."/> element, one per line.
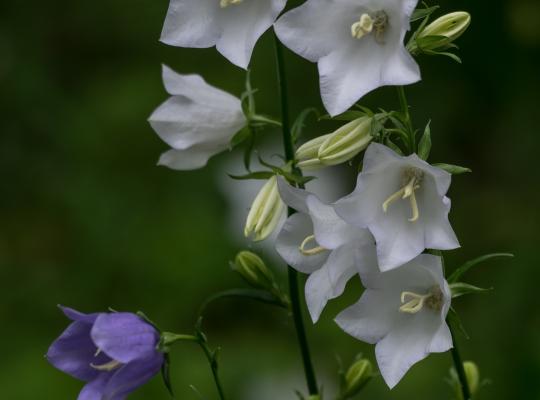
<point x="458" y="365"/>
<point x="408" y="120"/>
<point x="214" y="366"/>
<point x="296" y="309"/>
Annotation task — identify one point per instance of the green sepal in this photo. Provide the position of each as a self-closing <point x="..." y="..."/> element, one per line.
<point x="257" y="175"/>
<point x="469" y="264"/>
<point x="461" y="289"/>
<point x="299" y="124"/>
<point x="285" y="171"/>
<point x="166" y="374"/>
<point x="453" y="169"/>
<point x="424" y="147"/>
<point x="420" y="13"/>
<point x="240" y="136"/>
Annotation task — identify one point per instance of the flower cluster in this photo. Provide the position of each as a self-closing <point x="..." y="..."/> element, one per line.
<point x="389" y="232"/>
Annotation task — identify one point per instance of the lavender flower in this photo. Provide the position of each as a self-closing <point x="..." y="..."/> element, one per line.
<point x="114" y="353"/>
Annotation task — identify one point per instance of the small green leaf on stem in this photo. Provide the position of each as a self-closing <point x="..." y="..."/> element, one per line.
<point x="452" y="169"/>
<point x="424" y="147"/>
<point x="469" y="264"/>
<point x="461" y="289"/>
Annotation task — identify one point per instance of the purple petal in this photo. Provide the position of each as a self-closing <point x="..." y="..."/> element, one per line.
<point x="124" y="337"/>
<point x="75" y="315"/>
<point x="131" y="376"/>
<point x="74" y="350"/>
<point x="94" y="390"/>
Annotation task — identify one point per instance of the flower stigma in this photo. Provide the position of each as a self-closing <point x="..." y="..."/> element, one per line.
<point x="376" y="24"/>
<point x="412" y="302"/>
<point x="311" y="251"/>
<point x="108" y="366"/>
<point x="226" y="3"/>
<point x="411" y="183"/>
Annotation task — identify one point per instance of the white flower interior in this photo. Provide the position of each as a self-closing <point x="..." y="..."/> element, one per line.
<point x="413" y="303"/>
<point x="411" y="180"/>
<point x="226" y="3"/>
<point x="367" y="24"/>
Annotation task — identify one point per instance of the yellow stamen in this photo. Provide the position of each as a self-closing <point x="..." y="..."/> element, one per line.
<point x="225" y="3"/>
<point x="312" y="251"/>
<point x="363" y="27"/>
<point x="407" y="191"/>
<point x="110" y="366"/>
<point x="412" y="302"/>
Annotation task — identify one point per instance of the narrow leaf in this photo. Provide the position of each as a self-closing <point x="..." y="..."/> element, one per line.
<point x="461" y="289"/>
<point x="469" y="264"/>
<point x="453" y="169"/>
<point x="424" y="147"/>
<point x="423" y="12"/>
<point x="253" y="175"/>
<point x="300" y="123"/>
<point x="454" y="320"/>
<point x="166" y="374"/>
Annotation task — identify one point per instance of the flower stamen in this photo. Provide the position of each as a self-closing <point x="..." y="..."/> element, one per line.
<point x="226" y="3"/>
<point x="413" y="178"/>
<point x="312" y="251"/>
<point x="412" y="302"/>
<point x="109" y="366"/>
<point x="376" y="24"/>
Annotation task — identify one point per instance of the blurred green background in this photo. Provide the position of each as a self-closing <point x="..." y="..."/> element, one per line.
<point x="89" y="221"/>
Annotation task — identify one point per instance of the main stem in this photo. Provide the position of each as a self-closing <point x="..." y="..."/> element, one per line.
<point x="408" y="120"/>
<point x="213" y="365"/>
<point x="296" y="309"/>
<point x="458" y="365"/>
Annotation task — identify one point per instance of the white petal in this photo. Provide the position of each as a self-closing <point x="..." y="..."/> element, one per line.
<point x="294" y="231"/>
<point x="438" y="231"/>
<point x="372" y="317"/>
<point x="242" y="25"/>
<point x="331" y="230"/>
<point x="329" y="281"/>
<point x="193" y="158"/>
<point x="410" y="342"/>
<point x="312" y="30"/>
<point x="293" y="197"/>
<point x="191" y="23"/>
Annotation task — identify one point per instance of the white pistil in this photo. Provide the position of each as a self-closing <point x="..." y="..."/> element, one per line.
<point x="225" y="3"/>
<point x="412" y="302"/>
<point x="110" y="366"/>
<point x="376" y="24"/>
<point x="312" y="251"/>
<point x="407" y="191"/>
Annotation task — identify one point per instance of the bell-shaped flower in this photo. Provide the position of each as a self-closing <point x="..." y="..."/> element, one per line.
<point x="233" y="26"/>
<point x="114" y="353"/>
<point x="404" y="312"/>
<point x="197" y="121"/>
<point x="316" y="241"/>
<point x="402" y="201"/>
<point x="358" y="45"/>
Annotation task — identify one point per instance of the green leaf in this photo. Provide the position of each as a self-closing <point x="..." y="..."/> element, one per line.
<point x="166" y="374"/>
<point x="424" y="147"/>
<point x="299" y="124"/>
<point x="393" y="146"/>
<point x="469" y="264"/>
<point x="252" y="294"/>
<point x="261" y="175"/>
<point x="240" y="136"/>
<point x="420" y="13"/>
<point x="262" y="120"/>
<point x="453" y="169"/>
<point x="461" y="289"/>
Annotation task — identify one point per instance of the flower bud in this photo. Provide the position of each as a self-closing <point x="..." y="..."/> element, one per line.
<point x="265" y="213"/>
<point x="357" y="376"/>
<point x="253" y="269"/>
<point x="449" y="27"/>
<point x="307" y="155"/>
<point x="472" y="374"/>
<point x="336" y="147"/>
<point x="346" y="142"/>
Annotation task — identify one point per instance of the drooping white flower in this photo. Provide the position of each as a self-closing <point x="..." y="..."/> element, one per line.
<point x="402" y="201"/>
<point x="358" y="45"/>
<point x="197" y="121"/>
<point x="233" y="26"/>
<point x="404" y="312"/>
<point x="316" y="241"/>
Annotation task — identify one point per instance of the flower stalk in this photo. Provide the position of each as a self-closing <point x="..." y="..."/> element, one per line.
<point x="458" y="364"/>
<point x="292" y="274"/>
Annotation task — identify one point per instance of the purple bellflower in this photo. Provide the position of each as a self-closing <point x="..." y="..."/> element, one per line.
<point x="114" y="353"/>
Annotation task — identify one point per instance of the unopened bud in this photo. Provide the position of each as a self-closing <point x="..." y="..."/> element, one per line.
<point x="253" y="269"/>
<point x="447" y="28"/>
<point x="357" y="376"/>
<point x="472" y="374"/>
<point x="265" y="212"/>
<point x="307" y="155"/>
<point x="337" y="147"/>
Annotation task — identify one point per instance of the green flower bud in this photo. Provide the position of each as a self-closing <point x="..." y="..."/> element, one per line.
<point x="307" y="155"/>
<point x="473" y="376"/>
<point x="446" y="29"/>
<point x="346" y="142"/>
<point x="265" y="212"/>
<point x="357" y="376"/>
<point x="253" y="269"/>
<point x="336" y="147"/>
